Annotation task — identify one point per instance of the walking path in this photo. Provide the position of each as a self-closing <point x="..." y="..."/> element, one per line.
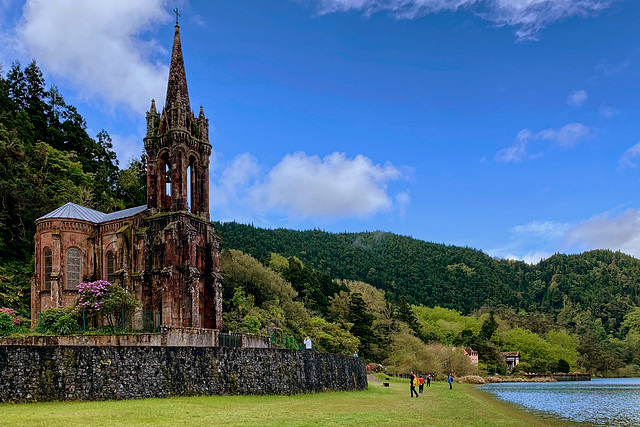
<point x="373" y="379"/>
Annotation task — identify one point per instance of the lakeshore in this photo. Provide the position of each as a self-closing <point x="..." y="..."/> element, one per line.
<point x="465" y="405"/>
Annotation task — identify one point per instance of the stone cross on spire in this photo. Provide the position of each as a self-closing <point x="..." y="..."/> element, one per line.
<point x="177" y="76"/>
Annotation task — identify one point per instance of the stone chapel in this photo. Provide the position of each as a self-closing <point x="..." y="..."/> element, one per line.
<point x="165" y="252"/>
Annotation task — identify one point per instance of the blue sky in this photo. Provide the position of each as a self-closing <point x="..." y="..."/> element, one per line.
<point x="510" y="126"/>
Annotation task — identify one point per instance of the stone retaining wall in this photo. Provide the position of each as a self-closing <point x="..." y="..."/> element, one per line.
<point x="46" y="373"/>
<point x="167" y="337"/>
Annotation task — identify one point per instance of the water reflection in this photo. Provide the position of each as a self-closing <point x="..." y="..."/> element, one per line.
<point x="614" y="402"/>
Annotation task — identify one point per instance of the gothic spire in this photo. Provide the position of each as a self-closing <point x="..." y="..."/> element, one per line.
<point x="177" y="76"/>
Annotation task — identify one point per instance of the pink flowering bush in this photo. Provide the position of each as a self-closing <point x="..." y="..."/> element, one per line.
<point x="92" y="295"/>
<point x="15" y="319"/>
<point x="105" y="300"/>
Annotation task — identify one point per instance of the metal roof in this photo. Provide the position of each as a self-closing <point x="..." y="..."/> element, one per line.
<point x="123" y="213"/>
<point x="73" y="211"/>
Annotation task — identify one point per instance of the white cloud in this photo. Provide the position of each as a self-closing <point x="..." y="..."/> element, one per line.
<point x="127" y="147"/>
<point x="306" y="187"/>
<point x="97" y="47"/>
<point x="609" y="69"/>
<point x="577" y="98"/>
<point x="627" y="159"/>
<point x="567" y="136"/>
<point x="333" y="186"/>
<point x="608" y="111"/>
<point x="528" y="16"/>
<point x="608" y="231"/>
<point x="533" y="241"/>
<point x="232" y="187"/>
<point x="544" y="229"/>
<point x="616" y="230"/>
<point x="403" y="199"/>
<point x="518" y="150"/>
<point x="530" y="257"/>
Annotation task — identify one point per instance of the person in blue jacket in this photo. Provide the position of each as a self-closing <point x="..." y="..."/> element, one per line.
<point x="450" y="379"/>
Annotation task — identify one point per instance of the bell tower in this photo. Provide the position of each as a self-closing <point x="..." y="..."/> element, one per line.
<point x="181" y="284"/>
<point x="177" y="146"/>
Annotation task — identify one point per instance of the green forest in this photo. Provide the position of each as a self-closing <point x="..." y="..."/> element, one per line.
<point x="395" y="300"/>
<point x="586" y="304"/>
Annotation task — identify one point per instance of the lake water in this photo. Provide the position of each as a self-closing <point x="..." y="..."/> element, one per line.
<point x="611" y="402"/>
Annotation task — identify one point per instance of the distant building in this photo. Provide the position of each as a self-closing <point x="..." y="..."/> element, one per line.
<point x="472" y="354"/>
<point x="512" y="358"/>
<point x="164" y="253"/>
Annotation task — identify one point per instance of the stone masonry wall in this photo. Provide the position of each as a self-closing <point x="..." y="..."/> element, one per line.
<point x="46" y="373"/>
<point x="168" y="337"/>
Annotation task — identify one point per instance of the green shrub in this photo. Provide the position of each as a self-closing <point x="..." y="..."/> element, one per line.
<point x="539" y="366"/>
<point x="66" y="325"/>
<point x="6" y="324"/>
<point x="50" y="320"/>
<point x="563" y="366"/>
<point x="522" y="368"/>
<point x="252" y="324"/>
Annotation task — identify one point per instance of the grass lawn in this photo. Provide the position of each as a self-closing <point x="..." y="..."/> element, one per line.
<point x="462" y="406"/>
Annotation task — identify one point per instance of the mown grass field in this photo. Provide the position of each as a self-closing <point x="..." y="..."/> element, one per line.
<point x="437" y="406"/>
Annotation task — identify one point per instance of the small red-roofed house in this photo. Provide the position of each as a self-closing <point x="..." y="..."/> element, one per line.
<point x="472" y="354"/>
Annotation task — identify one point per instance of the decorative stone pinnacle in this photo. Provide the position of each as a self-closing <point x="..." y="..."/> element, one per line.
<point x="177" y="78"/>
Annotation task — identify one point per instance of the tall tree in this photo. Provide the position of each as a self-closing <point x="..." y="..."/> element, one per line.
<point x="362" y="322"/>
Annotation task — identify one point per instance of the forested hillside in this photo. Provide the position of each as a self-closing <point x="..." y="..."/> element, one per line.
<point x="603" y="282"/>
<point x="581" y="310"/>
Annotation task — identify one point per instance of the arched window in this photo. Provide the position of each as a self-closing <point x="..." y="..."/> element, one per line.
<point x="167" y="174"/>
<point x="73" y="268"/>
<point x="110" y="262"/>
<point x="193" y="190"/>
<point x="48" y="262"/>
<point x="164" y="178"/>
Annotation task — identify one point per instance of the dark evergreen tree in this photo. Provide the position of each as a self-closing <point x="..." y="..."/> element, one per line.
<point x="404" y="312"/>
<point x="489" y="327"/>
<point x="563" y="366"/>
<point x="362" y="322"/>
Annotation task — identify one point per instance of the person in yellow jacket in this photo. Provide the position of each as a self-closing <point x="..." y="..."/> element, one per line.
<point x="414" y="383"/>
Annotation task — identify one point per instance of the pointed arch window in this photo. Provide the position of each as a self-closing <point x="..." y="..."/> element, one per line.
<point x="48" y="265"/>
<point x="167" y="174"/>
<point x="110" y="263"/>
<point x="192" y="186"/>
<point x="165" y="187"/>
<point x="73" y="268"/>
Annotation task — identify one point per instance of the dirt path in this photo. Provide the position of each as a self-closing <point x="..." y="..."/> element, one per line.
<point x="373" y="379"/>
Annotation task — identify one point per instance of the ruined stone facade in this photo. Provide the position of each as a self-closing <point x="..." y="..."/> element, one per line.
<point x="165" y="253"/>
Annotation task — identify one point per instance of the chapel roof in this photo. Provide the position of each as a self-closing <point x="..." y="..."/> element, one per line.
<point x="73" y="211"/>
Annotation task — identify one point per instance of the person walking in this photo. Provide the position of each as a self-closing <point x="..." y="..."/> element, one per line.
<point x="414" y="382"/>
<point x="428" y="380"/>
<point x="421" y="383"/>
<point x="307" y="343"/>
<point x="450" y="379"/>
